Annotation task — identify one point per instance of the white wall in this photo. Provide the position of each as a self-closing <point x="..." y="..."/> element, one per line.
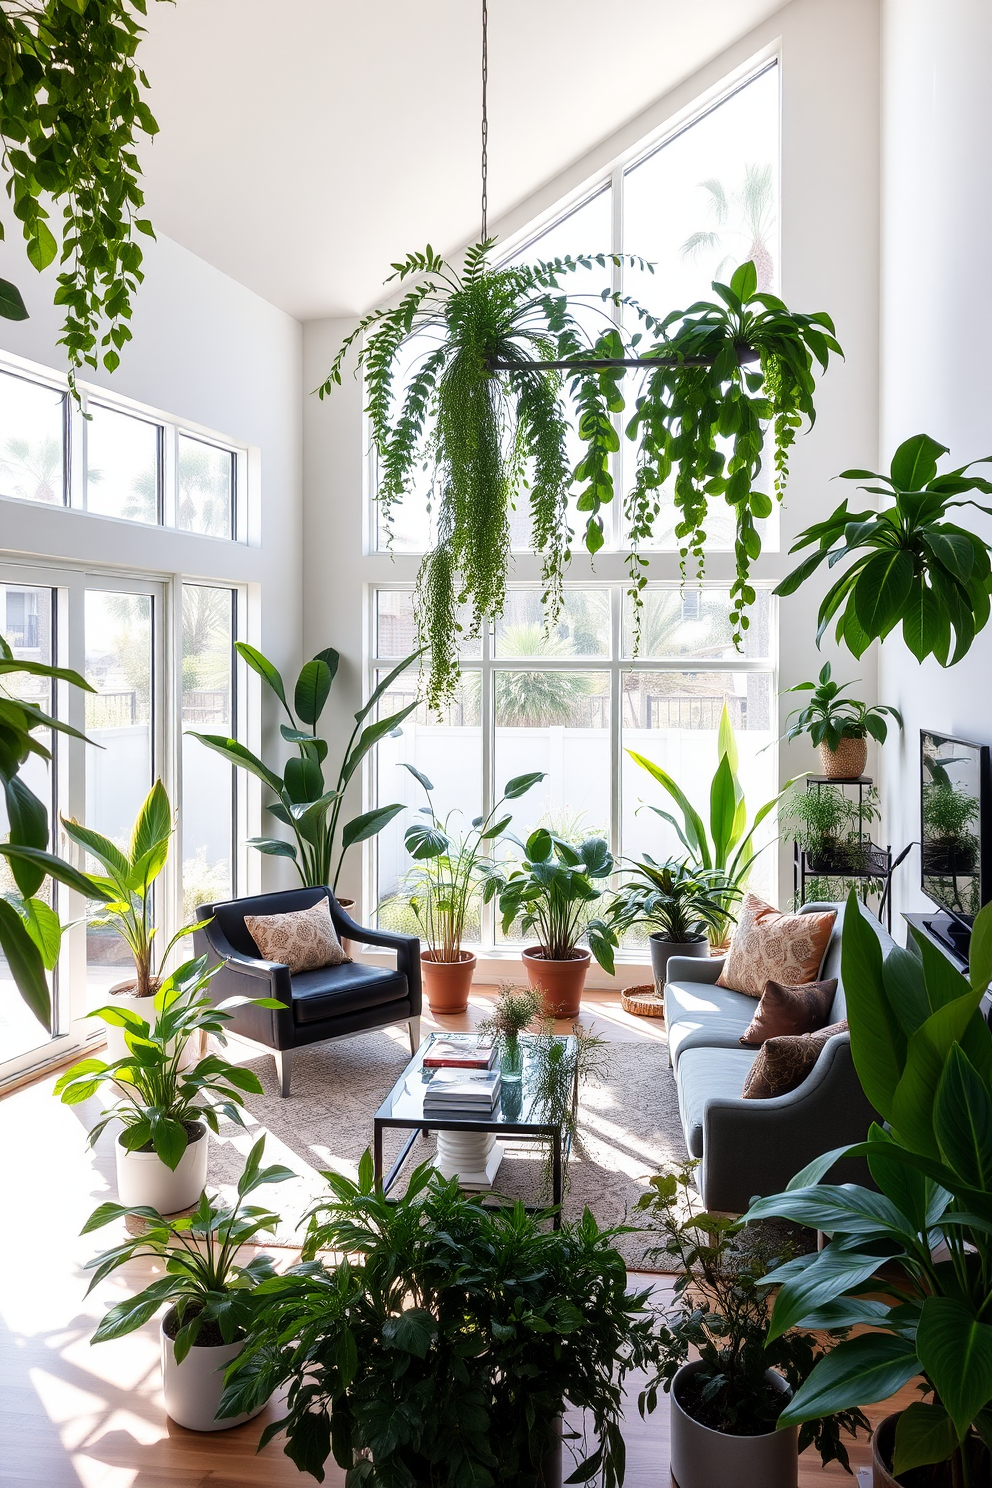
<point x="936" y="374"/>
<point x="209" y="351"/>
<point x="829" y="55"/>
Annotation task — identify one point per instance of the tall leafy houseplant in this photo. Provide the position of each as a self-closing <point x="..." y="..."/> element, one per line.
<point x="493" y="425"/>
<point x="726" y="844"/>
<point x="910" y="563"/>
<point x="678" y="903"/>
<point x="445" y="1351"/>
<point x="923" y="1053"/>
<point x="70" y="113"/>
<point x="306" y="804"/>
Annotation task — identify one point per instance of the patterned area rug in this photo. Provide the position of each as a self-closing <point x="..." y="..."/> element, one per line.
<point x="629" y="1128"/>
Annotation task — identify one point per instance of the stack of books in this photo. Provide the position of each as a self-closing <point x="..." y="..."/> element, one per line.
<point x="461" y="1051"/>
<point x="462" y="1093"/>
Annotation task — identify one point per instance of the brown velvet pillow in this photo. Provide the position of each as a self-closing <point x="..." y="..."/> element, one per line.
<point x="782" y="1064"/>
<point x="303" y="940"/>
<point x="785" y="1010"/>
<point x="769" y="946"/>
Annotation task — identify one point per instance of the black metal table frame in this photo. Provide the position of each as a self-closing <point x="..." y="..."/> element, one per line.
<point x="528" y="1130"/>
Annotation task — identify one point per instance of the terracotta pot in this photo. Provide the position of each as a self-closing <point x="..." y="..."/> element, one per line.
<point x="447" y="983"/>
<point x="704" y="1458"/>
<point x="193" y="1388"/>
<point x="560" y="983"/>
<point x="662" y="950"/>
<point x="847" y="761"/>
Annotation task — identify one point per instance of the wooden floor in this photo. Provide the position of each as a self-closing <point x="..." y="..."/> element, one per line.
<point x="76" y="1415"/>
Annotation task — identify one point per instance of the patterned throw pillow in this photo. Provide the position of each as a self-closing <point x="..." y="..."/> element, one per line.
<point x="782" y="1064"/>
<point x="769" y="946"/>
<point x="785" y="1010"/>
<point x="303" y="940"/>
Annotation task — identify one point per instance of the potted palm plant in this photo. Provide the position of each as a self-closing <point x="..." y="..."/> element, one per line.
<point x="306" y="802"/>
<point x="164" y="1107"/>
<point x="211" y="1294"/>
<point x="923" y="1053"/>
<point x="447" y="886"/>
<point x="728" y="1377"/>
<point x="838" y="726"/>
<point x="447" y="1345"/>
<point x="679" y="904"/>
<point x="551" y="891"/>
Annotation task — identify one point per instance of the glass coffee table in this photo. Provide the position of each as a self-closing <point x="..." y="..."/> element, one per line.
<point x="469" y="1147"/>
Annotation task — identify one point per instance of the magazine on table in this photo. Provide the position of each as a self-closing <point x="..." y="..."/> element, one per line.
<point x="465" y="1051"/>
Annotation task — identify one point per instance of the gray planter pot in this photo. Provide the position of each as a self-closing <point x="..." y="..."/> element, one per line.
<point x="703" y="1458"/>
<point x="662" y="949"/>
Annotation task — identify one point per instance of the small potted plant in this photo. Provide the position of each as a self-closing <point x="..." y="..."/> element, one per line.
<point x="949" y="848"/>
<point x="448" y="1343"/>
<point x="681" y="905"/>
<point x="551" y="892"/>
<point x="833" y="831"/>
<point x="839" y="726"/>
<point x="516" y="1008"/>
<point x="447" y="886"/>
<point x="727" y="1399"/>
<point x="212" y="1295"/>
<point x="163" y="1107"/>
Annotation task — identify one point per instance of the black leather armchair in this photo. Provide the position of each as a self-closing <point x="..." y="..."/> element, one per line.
<point x="332" y="1002"/>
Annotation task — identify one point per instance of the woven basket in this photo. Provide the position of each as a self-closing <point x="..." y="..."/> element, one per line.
<point x="847" y="761"/>
<point x="643" y="1001"/>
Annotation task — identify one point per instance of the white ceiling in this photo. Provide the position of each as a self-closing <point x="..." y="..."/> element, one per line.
<point x="307" y="144"/>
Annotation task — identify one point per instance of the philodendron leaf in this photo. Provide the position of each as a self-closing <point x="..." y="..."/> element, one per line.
<point x="914" y="463"/>
<point x="857" y="1372"/>
<point x="924" y="1434"/>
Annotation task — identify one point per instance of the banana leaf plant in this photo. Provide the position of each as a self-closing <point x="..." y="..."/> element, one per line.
<point x="306" y="804"/>
<point x="910" y="563"/>
<point x="726" y="843"/>
<point x="923" y="1053"/>
<point x="493" y="423"/>
<point x="30" y="931"/>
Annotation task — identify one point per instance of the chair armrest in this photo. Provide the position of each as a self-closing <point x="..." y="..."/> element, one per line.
<point x="240" y="976"/>
<point x="694" y="968"/>
<point x="407" y="948"/>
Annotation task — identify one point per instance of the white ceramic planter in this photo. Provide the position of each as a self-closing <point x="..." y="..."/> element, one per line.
<point x="703" y="1458"/>
<point x="145" y="1008"/>
<point x="143" y="1180"/>
<point x="194" y="1387"/>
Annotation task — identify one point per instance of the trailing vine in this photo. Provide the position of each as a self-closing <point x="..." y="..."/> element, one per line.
<point x="491" y="426"/>
<point x="70" y="110"/>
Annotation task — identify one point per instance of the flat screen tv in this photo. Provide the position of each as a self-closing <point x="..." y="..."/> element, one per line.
<point x="955" y="839"/>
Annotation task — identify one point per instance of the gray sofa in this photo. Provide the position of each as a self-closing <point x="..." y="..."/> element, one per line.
<point x="749" y="1147"/>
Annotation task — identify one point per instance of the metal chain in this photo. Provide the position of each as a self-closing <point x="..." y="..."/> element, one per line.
<point x="485" y="118"/>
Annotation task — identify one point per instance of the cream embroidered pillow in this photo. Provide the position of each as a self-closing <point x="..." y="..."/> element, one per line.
<point x="769" y="946"/>
<point x="303" y="940"/>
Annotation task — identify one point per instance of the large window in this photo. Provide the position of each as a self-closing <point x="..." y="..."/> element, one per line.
<point x="573" y="703"/>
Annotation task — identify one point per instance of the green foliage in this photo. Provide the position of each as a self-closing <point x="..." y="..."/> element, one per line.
<point x="156" y="1095"/>
<point x="491" y="432"/>
<point x="514" y="1010"/>
<point x="830" y="827"/>
<point x="445" y="1348"/>
<point x="727" y="843"/>
<point x="557" y="1069"/>
<point x="923" y="1053"/>
<point x="70" y="111"/>
<point x="713" y="394"/>
<point x="451" y="868"/>
<point x="720" y="1312"/>
<point x="680" y="902"/>
<point x="305" y="804"/>
<point x="828" y="717"/>
<point x="198" y="1253"/>
<point x="30" y="933"/>
<point x="550" y="893"/>
<point x="910" y="563"/>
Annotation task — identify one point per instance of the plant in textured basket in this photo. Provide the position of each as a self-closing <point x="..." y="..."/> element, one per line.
<point x="445" y="1350"/>
<point x="305" y="804"/>
<point x="910" y="563"/>
<point x="490" y="431"/>
<point x="720" y="1311"/>
<point x="828" y="717"/>
<point x="70" y="109"/>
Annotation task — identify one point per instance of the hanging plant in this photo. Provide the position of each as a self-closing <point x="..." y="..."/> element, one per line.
<point x="910" y="563"/>
<point x="70" y="109"/>
<point x="486" y="407"/>
<point x="731" y="370"/>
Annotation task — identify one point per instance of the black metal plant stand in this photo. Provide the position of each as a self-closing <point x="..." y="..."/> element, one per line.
<point x="862" y="860"/>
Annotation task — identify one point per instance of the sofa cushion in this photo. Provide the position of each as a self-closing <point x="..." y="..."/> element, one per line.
<point x="785" y="1010"/>
<point x="705" y="1075"/>
<point x="784" y="1063"/>
<point x="703" y="1033"/>
<point x="699" y="1002"/>
<point x="333" y="990"/>
<point x="768" y="945"/>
